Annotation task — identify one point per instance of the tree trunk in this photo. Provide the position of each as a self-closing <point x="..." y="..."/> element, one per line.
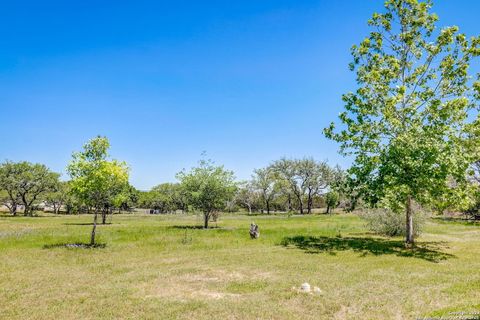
<point x="13" y="209"/>
<point x="309" y="204"/>
<point x="268" y="207"/>
<point x="301" y="206"/>
<point x="104" y="216"/>
<point x="409" y="222"/>
<point x="249" y="209"/>
<point x="92" y="236"/>
<point x="328" y="208"/>
<point x="206" y="217"/>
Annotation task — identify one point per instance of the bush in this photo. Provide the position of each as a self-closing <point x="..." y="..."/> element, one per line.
<point x="331" y="200"/>
<point x="473" y="210"/>
<point x="389" y="223"/>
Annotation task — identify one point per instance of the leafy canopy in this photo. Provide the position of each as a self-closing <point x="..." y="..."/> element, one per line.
<point x="411" y="122"/>
<point x="208" y="187"/>
<point x="96" y="180"/>
<point x="24" y="182"/>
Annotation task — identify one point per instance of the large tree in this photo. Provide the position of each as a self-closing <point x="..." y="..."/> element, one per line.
<point x="208" y="188"/>
<point x="247" y="195"/>
<point x="24" y="183"/>
<point x="57" y="196"/>
<point x="265" y="182"/>
<point x="305" y="178"/>
<point x="409" y="123"/>
<point x="315" y="177"/>
<point x="127" y="199"/>
<point x="97" y="180"/>
<point x="164" y="197"/>
<point x="287" y="173"/>
<point x="9" y="195"/>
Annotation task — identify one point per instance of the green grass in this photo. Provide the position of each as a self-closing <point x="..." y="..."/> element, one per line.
<point x="159" y="267"/>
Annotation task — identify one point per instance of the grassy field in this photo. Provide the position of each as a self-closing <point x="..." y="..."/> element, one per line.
<point x="161" y="267"/>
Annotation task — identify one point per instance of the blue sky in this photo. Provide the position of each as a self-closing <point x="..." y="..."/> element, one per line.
<point x="246" y="81"/>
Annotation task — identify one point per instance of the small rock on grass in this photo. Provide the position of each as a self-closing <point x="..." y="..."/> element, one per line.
<point x="317" y="290"/>
<point x="306" y="288"/>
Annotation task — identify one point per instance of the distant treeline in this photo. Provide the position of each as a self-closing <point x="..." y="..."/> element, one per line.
<point x="298" y="185"/>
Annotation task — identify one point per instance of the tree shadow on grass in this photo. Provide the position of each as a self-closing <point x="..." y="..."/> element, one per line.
<point x="462" y="221"/>
<point x="271" y="214"/>
<point x="76" y="245"/>
<point x="86" y="224"/>
<point x="193" y="227"/>
<point x="21" y="215"/>
<point x="429" y="251"/>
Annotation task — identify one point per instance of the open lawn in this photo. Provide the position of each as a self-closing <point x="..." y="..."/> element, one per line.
<point x="160" y="267"/>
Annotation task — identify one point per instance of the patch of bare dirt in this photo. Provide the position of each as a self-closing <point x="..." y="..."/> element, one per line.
<point x="204" y="284"/>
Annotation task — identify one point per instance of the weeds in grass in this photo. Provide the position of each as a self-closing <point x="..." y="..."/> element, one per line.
<point x="187" y="239"/>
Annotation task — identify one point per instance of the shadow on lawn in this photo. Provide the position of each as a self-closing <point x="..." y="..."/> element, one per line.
<point x="429" y="251"/>
<point x="75" y="245"/>
<point x="462" y="221"/>
<point x="18" y="216"/>
<point x="86" y="224"/>
<point x="193" y="227"/>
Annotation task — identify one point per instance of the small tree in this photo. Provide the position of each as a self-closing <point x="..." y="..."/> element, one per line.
<point x="95" y="179"/>
<point x="409" y="125"/>
<point x="208" y="188"/>
<point x="331" y="200"/>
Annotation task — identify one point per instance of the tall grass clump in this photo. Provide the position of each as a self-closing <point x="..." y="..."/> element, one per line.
<point x="390" y="223"/>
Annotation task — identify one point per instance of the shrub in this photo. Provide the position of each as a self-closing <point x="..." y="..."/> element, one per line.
<point x="472" y="211"/>
<point x="389" y="223"/>
<point x="331" y="200"/>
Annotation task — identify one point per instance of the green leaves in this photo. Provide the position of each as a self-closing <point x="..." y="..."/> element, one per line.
<point x="208" y="187"/>
<point x="407" y="123"/>
<point x="95" y="179"/>
<point x="24" y="182"/>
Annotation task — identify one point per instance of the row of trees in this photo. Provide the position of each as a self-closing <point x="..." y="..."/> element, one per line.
<point x="164" y="198"/>
<point x="25" y="186"/>
<point x="285" y="185"/>
<point x="97" y="184"/>
<point x="295" y="182"/>
<point x="100" y="185"/>
<point x="412" y="128"/>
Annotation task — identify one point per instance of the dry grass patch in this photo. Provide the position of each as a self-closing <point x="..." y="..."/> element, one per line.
<point x="148" y="271"/>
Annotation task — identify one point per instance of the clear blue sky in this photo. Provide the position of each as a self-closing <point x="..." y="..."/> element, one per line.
<point x="246" y="81"/>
